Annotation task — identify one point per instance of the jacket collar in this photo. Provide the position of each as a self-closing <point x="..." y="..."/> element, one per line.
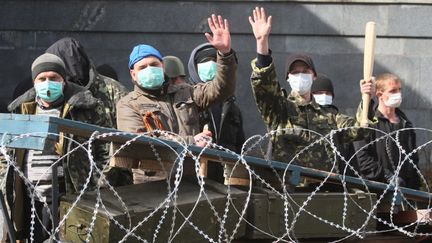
<point x="144" y="92"/>
<point x="173" y="88"/>
<point x="399" y="113"/>
<point x="74" y="95"/>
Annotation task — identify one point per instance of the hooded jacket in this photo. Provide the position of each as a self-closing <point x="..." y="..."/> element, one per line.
<point x="225" y="119"/>
<point x="79" y="105"/>
<point x="81" y="71"/>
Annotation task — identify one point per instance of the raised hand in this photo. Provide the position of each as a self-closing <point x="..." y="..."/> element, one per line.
<point x="261" y="26"/>
<point x="221" y="38"/>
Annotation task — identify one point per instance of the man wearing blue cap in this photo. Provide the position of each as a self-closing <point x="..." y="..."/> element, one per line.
<point x="158" y="105"/>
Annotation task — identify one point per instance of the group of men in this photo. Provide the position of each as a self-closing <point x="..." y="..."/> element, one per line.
<point x="67" y="85"/>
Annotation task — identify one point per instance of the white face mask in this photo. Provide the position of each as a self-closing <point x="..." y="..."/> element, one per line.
<point x="323" y="99"/>
<point x="394" y="100"/>
<point x="300" y="82"/>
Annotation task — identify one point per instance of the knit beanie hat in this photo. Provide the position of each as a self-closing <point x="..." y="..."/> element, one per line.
<point x="322" y="83"/>
<point x="48" y="62"/>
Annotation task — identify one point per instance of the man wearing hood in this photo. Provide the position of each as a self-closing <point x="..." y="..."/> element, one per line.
<point x="81" y="71"/>
<point x="224" y="120"/>
<point x="156" y="104"/>
<point x="381" y="160"/>
<point x="52" y="96"/>
<point x="299" y="121"/>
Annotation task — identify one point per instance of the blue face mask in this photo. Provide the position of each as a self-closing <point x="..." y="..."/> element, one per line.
<point x="49" y="91"/>
<point x="207" y="70"/>
<point x="150" y="77"/>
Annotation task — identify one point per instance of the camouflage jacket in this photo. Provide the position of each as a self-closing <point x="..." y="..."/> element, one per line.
<point x="109" y="91"/>
<point x="292" y="116"/>
<point x="177" y="108"/>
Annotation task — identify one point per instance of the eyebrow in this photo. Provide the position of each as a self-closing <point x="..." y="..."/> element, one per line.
<point x="143" y="66"/>
<point x="154" y="63"/>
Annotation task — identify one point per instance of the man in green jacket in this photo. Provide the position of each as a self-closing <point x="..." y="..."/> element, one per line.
<point x="156" y="104"/>
<point x="299" y="121"/>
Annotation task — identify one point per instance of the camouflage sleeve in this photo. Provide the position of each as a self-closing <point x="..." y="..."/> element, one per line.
<point x="268" y="95"/>
<point x="101" y="148"/>
<point x="223" y="85"/>
<point x="116" y="91"/>
<point x="344" y="121"/>
<point x="372" y="120"/>
<point x="356" y="133"/>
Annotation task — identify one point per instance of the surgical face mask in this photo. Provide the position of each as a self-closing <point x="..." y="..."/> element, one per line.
<point x="300" y="82"/>
<point x="150" y="77"/>
<point x="394" y="100"/>
<point x="207" y="70"/>
<point x="48" y="90"/>
<point x="323" y="99"/>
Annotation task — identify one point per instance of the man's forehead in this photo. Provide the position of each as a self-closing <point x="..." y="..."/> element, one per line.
<point x="148" y="59"/>
<point x="392" y="84"/>
<point x="48" y="73"/>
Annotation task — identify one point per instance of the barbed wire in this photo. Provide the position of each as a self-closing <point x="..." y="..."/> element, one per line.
<point x="171" y="216"/>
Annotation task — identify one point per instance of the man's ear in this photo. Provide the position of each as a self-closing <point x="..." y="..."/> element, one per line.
<point x="133" y="74"/>
<point x="378" y="93"/>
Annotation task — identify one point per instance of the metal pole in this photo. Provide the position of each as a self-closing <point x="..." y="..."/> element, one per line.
<point x="55" y="199"/>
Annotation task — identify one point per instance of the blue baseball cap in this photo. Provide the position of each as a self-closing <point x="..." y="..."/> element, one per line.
<point x="142" y="51"/>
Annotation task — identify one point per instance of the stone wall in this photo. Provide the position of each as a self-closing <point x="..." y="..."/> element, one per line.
<point x="331" y="31"/>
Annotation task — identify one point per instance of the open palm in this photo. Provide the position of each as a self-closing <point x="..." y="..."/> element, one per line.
<point x="221" y="37"/>
<point x="261" y="24"/>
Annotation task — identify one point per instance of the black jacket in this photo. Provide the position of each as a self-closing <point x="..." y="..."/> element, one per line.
<point x="226" y="124"/>
<point x="379" y="160"/>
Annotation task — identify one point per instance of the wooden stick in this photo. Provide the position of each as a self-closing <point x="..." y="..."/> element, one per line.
<point x="368" y="64"/>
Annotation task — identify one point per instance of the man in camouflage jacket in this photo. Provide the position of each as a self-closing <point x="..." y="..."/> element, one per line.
<point x="300" y="121"/>
<point x="80" y="70"/>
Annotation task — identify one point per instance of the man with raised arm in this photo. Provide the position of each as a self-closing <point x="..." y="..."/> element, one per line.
<point x="298" y="119"/>
<point x="392" y="142"/>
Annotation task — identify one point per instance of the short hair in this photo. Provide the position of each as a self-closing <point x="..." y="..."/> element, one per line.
<point x="384" y="78"/>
